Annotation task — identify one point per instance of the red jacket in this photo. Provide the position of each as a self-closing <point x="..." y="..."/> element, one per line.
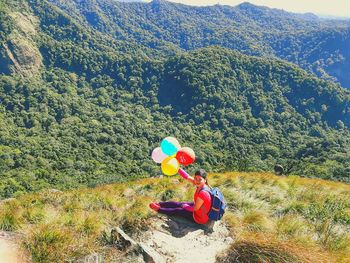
<point x="201" y="215"/>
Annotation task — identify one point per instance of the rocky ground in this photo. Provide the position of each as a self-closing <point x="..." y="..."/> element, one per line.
<point x="172" y="239"/>
<point x="9" y="250"/>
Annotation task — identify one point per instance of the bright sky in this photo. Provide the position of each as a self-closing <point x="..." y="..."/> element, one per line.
<point x="321" y="7"/>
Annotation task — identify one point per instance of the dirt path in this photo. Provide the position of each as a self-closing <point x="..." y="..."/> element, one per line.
<point x="176" y="240"/>
<point x="9" y="251"/>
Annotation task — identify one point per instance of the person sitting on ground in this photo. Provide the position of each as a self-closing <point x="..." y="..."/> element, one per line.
<point x="196" y="211"/>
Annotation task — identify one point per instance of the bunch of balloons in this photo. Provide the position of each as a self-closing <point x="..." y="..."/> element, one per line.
<point x="170" y="155"/>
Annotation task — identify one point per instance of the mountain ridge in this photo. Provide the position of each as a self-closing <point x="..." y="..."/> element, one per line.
<point x="187" y="28"/>
<point x="98" y="105"/>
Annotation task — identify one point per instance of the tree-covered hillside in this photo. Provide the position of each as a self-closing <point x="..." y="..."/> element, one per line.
<point x="317" y="45"/>
<point x="82" y="108"/>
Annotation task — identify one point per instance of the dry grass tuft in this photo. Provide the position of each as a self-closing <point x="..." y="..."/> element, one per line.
<point x="257" y="248"/>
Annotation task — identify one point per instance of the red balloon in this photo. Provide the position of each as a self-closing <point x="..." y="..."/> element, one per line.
<point x="185" y="156"/>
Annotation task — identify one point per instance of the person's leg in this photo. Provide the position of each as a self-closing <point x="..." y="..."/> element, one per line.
<point x="179" y="211"/>
<point x="174" y="204"/>
<point x="170" y="204"/>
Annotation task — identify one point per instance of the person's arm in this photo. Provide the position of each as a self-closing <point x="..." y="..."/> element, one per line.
<point x="185" y="175"/>
<point x="197" y="205"/>
<point x="199" y="202"/>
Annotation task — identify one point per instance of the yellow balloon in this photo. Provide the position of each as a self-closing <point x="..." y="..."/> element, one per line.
<point x="170" y="166"/>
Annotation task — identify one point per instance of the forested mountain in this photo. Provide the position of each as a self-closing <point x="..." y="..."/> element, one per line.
<point x="84" y="108"/>
<point x="317" y="45"/>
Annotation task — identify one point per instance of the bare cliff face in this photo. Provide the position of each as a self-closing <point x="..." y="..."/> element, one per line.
<point x="19" y="53"/>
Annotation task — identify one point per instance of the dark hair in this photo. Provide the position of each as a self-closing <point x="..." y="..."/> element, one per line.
<point x="202" y="173"/>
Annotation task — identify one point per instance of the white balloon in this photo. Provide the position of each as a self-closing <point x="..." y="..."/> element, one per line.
<point x="158" y="156"/>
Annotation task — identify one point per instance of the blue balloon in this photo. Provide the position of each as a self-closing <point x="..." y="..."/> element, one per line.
<point x="169" y="146"/>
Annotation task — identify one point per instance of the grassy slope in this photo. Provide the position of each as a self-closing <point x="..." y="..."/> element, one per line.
<point x="281" y="219"/>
